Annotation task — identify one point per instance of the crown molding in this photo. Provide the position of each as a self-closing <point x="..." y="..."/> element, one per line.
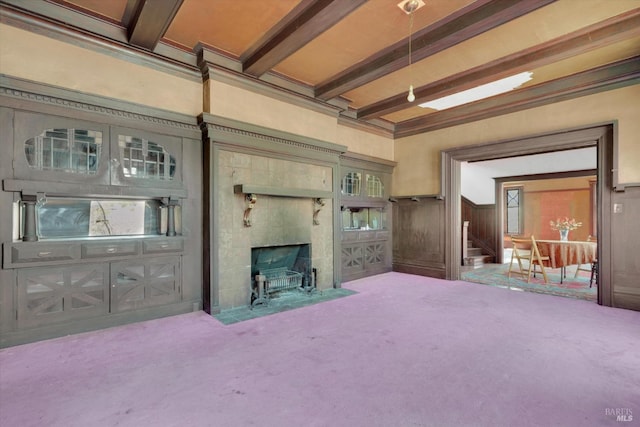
<point x="112" y="41"/>
<point x="20" y="90"/>
<point x="377" y="127"/>
<point x="221" y="68"/>
<point x="235" y="132"/>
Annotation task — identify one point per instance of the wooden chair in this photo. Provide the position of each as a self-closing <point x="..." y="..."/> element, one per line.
<point x="593" y="268"/>
<point x="526" y="249"/>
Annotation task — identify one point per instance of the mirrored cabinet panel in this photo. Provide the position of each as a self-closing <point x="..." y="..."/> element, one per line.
<point x="354" y="218"/>
<point x="72" y="218"/>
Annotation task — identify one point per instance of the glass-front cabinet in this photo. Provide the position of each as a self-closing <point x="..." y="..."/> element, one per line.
<point x="365" y="217"/>
<point x="97" y="220"/>
<point x="355" y="218"/>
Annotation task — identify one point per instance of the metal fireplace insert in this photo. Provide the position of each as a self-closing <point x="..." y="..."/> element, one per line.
<point x="276" y="269"/>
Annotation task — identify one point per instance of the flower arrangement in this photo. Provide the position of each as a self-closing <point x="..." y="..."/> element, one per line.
<point x="565" y="224"/>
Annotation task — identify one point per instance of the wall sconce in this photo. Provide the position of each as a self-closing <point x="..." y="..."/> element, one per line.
<point x="415" y="199"/>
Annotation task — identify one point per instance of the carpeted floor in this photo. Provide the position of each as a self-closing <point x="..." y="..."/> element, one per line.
<point x="496" y="275"/>
<point x="402" y="351"/>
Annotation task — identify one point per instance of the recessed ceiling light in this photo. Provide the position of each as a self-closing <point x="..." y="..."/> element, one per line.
<point x="479" y="92"/>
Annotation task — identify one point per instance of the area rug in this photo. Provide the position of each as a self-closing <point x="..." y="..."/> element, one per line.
<point x="496" y="275"/>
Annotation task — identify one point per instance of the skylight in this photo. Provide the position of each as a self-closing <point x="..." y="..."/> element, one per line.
<point x="479" y="92"/>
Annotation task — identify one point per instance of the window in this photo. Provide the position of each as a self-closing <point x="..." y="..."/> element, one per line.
<point x="513" y="210"/>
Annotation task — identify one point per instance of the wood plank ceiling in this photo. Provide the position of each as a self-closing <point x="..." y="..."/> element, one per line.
<point x="355" y="53"/>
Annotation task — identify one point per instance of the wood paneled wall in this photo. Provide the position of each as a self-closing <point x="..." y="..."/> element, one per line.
<point x="482" y="225"/>
<point x="419" y="237"/>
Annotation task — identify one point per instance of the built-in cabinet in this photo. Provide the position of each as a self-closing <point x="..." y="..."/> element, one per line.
<point x="96" y="224"/>
<point x="365" y="216"/>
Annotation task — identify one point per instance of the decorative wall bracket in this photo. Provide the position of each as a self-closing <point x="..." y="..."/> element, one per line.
<point x="318" y="204"/>
<point x="251" y="201"/>
<point x="251" y="192"/>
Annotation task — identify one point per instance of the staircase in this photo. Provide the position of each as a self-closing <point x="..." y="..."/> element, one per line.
<point x="472" y="256"/>
<point x="475" y="257"/>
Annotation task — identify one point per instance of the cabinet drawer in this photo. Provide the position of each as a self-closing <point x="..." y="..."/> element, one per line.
<point x="108" y="249"/>
<point x="163" y="245"/>
<point x="37" y="252"/>
<point x="366" y="235"/>
<point x="349" y="236"/>
<point x="382" y="235"/>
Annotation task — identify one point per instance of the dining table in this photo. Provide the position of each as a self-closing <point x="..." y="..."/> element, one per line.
<point x="562" y="253"/>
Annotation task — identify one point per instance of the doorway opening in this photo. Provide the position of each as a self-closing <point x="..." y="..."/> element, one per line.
<point x="601" y="137"/>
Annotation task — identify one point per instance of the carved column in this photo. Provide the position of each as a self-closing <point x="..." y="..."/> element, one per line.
<point x="30" y="234"/>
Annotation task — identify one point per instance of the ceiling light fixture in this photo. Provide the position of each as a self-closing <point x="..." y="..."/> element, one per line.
<point x="410" y="6"/>
<point x="479" y="92"/>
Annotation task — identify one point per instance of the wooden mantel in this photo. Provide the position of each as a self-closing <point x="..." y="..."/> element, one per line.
<point x="282" y="191"/>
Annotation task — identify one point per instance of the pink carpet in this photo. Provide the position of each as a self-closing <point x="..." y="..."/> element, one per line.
<point x="404" y="351"/>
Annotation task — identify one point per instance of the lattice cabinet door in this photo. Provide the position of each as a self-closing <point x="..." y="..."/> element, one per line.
<point x="145" y="283"/>
<point x="375" y="253"/>
<point x="352" y="258"/>
<point x="49" y="295"/>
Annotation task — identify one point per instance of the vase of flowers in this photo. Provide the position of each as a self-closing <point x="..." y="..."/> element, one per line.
<point x="564" y="225"/>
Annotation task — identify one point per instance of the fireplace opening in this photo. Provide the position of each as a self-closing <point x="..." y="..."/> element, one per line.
<point x="276" y="269"/>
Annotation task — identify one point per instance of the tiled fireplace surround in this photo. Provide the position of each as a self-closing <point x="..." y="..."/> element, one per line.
<point x="274" y="164"/>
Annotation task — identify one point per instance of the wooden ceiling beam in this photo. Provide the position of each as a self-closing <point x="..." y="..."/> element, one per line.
<point x="607" y="77"/>
<point x="612" y="30"/>
<point x="305" y="22"/>
<point x="150" y="21"/>
<point x="468" y="22"/>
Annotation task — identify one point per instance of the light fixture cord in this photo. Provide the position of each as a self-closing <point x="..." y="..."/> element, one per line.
<point x="411" y="96"/>
<point x="410" y="30"/>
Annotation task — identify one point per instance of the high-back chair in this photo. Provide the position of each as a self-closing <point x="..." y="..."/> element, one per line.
<point x="526" y="249"/>
<point x="593" y="268"/>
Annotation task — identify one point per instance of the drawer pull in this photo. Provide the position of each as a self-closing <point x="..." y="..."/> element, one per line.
<point x="164" y="246"/>
<point x="112" y="250"/>
<point x="43" y="254"/>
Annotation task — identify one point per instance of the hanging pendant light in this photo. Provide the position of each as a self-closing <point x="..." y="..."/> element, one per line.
<point x="409" y="7"/>
<point x="411" y="97"/>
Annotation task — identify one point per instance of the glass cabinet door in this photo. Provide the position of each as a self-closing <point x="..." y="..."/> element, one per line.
<point x="146" y="159"/>
<point x="351" y="184"/>
<point x="51" y="148"/>
<point x="375" y="187"/>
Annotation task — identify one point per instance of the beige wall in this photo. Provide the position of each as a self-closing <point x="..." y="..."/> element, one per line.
<point x="31" y="56"/>
<point x="365" y="142"/>
<point x="418" y="157"/>
<point x="65" y="65"/>
<point x="241" y="104"/>
<point x="237" y="103"/>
